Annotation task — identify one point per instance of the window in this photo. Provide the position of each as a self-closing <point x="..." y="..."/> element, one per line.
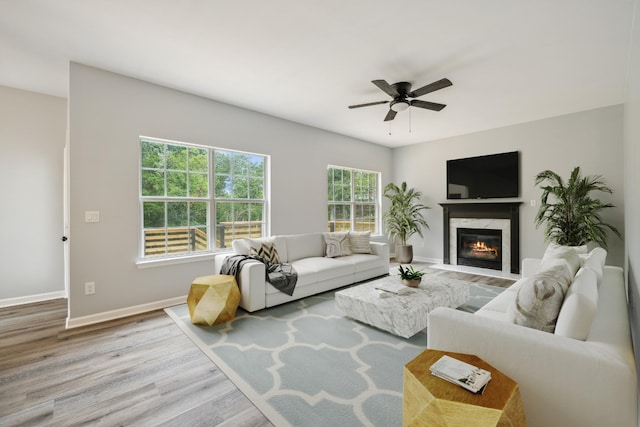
<point x="177" y="203"/>
<point x="353" y="199"/>
<point x="239" y="195"/>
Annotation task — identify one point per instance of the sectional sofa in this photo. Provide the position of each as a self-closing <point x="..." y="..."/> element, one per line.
<point x="579" y="372"/>
<point x="322" y="261"/>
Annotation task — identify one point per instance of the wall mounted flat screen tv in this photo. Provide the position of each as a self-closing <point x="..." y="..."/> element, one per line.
<point x="484" y="177"/>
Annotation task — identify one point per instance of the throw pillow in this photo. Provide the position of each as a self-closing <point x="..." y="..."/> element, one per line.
<point x="567" y="253"/>
<point x="558" y="270"/>
<point x="360" y="242"/>
<point x="582" y="250"/>
<point x="579" y="306"/>
<point x="337" y="244"/>
<point x="537" y="303"/>
<point x="595" y="260"/>
<point x="266" y="251"/>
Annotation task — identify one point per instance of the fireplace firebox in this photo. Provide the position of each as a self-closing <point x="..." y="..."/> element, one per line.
<point x="503" y="216"/>
<point x="479" y="247"/>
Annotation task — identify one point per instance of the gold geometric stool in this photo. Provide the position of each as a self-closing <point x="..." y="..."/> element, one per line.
<point x="434" y="402"/>
<point x="213" y="299"/>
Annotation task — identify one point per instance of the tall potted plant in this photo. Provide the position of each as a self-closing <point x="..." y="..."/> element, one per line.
<point x="570" y="215"/>
<point x="404" y="218"/>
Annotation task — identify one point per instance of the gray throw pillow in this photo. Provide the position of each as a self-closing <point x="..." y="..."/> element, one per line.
<point x="337" y="244"/>
<point x="538" y="302"/>
<point x="360" y="242"/>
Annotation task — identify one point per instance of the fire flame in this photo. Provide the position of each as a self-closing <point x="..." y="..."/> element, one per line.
<point x="479" y="246"/>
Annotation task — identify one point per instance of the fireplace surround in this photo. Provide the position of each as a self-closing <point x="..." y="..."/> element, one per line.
<point x="499" y="217"/>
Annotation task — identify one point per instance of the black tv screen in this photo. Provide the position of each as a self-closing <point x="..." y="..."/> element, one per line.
<point x="484" y="177"/>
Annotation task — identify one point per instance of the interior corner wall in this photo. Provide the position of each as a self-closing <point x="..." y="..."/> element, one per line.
<point x="632" y="180"/>
<point x="591" y="139"/>
<point x="108" y="113"/>
<point x="32" y="139"/>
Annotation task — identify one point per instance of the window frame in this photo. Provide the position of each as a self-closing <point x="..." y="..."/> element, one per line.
<point x="353" y="203"/>
<point x="210" y="199"/>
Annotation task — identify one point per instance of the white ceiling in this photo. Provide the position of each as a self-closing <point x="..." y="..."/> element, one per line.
<point x="510" y="61"/>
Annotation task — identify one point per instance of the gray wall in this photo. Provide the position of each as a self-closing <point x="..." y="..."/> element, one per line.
<point x="32" y="138"/>
<point x="590" y="139"/>
<point x="632" y="180"/>
<point x="108" y="112"/>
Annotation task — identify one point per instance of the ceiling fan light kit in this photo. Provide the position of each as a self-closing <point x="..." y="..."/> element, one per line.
<point x="398" y="106"/>
<point x="401" y="91"/>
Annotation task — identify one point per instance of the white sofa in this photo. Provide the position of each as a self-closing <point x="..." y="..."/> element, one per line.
<point x="563" y="381"/>
<point x="316" y="272"/>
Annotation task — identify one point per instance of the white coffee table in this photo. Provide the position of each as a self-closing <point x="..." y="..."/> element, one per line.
<point x="403" y="315"/>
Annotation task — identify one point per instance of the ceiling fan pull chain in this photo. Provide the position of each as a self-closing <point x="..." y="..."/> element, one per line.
<point x="389" y="127"/>
<point x="409" y="119"/>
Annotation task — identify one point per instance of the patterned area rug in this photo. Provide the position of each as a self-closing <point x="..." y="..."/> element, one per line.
<point x="301" y="364"/>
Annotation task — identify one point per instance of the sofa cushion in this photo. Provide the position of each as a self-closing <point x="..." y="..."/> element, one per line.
<point x="336" y="244"/>
<point x="538" y="300"/>
<point x="324" y="268"/>
<point x="304" y="246"/>
<point x="503" y="300"/>
<point x="595" y="261"/>
<point x="568" y="254"/>
<point x="360" y="242"/>
<point x="362" y="262"/>
<point x="579" y="307"/>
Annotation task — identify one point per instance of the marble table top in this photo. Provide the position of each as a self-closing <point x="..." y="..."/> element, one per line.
<point x="403" y="315"/>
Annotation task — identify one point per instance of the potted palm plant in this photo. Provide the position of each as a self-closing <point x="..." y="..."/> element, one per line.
<point x="403" y="219"/>
<point x="570" y="215"/>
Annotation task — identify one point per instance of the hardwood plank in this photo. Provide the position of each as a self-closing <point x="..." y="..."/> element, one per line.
<point x="141" y="370"/>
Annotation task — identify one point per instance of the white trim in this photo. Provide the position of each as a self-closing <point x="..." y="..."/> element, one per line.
<point x="29" y="299"/>
<point x="431" y="260"/>
<point x="123" y="312"/>
<point x="158" y="262"/>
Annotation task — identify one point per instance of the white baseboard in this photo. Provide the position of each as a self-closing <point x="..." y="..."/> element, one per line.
<point x="431" y="260"/>
<point x="123" y="312"/>
<point x="30" y="299"/>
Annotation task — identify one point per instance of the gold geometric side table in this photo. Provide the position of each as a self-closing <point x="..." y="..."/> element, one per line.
<point x="434" y="402"/>
<point x="213" y="299"/>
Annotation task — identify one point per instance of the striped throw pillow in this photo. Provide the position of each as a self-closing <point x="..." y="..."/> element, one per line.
<point x="266" y="251"/>
<point x="360" y="242"/>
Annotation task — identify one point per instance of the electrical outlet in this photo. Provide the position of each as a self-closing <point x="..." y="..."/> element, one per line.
<point x="90" y="288"/>
<point x="533" y="202"/>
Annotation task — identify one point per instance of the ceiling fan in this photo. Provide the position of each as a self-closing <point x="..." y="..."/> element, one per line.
<point x="401" y="91"/>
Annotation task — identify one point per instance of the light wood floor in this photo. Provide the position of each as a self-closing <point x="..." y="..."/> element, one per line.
<point x="140" y="371"/>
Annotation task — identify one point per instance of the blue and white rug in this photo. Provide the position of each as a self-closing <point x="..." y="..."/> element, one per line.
<point x="301" y="364"/>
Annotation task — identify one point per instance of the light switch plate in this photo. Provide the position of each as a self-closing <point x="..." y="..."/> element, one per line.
<point x="92" y="216"/>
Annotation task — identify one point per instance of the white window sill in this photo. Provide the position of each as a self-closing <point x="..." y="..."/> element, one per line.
<point x="159" y="262"/>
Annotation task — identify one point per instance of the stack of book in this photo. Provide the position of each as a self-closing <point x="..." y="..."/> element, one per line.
<point x="461" y="373"/>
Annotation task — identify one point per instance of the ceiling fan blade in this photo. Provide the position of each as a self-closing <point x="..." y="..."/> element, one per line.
<point x="428" y="105"/>
<point x="390" y="115"/>
<point x="368" y="104"/>
<point x="440" y="84"/>
<point x="385" y="87"/>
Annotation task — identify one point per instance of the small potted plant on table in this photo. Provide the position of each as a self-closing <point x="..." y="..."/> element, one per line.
<point x="410" y="276"/>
